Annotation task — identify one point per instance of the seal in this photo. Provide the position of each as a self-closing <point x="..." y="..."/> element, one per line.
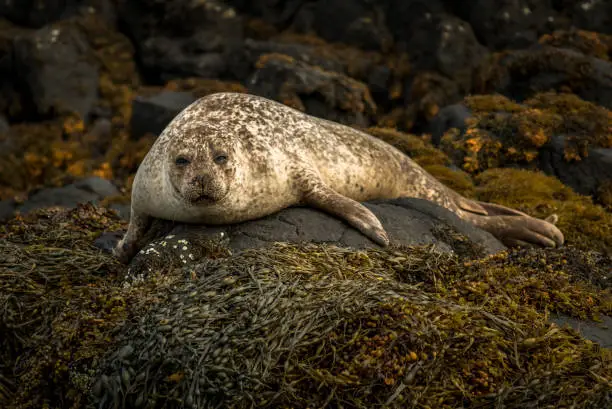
<point x="232" y="157"/>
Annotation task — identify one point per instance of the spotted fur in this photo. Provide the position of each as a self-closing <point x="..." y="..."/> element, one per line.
<point x="278" y="157"/>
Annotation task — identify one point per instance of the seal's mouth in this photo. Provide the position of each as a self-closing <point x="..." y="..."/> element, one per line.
<point x="203" y="199"/>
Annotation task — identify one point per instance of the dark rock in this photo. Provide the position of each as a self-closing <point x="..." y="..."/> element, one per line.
<point x="92" y="189"/>
<point x="107" y="241"/>
<point x="408" y="221"/>
<point x="358" y="23"/>
<point x="509" y="23"/>
<point x="103" y="9"/>
<point x="273" y="12"/>
<point x="35" y="13"/>
<point x="446" y="44"/>
<point x="180" y="38"/>
<point x="4" y="125"/>
<point x="425" y="94"/>
<point x="321" y="93"/>
<point x="151" y="114"/>
<point x="452" y="116"/>
<point x="593" y="15"/>
<point x="58" y="69"/>
<point x="96" y="185"/>
<point x="7" y="209"/>
<point x="402" y="17"/>
<point x="584" y="176"/>
<point x="599" y="332"/>
<point x="523" y="73"/>
<point x="243" y="57"/>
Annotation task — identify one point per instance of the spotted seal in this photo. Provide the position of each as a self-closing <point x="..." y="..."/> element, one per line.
<point x="233" y="157"/>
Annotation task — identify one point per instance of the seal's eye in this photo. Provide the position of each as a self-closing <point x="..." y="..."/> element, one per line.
<point x="182" y="161"/>
<point x="221" y="159"/>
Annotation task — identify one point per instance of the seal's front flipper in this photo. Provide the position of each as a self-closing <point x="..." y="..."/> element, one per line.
<point x="317" y="194"/>
<point x="128" y="246"/>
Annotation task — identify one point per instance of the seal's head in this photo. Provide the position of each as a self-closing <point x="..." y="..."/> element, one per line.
<point x="201" y="164"/>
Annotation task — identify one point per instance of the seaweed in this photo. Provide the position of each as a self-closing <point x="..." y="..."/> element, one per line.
<point x="293" y="325"/>
<point x="320" y="326"/>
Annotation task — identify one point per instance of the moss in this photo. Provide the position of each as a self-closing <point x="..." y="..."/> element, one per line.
<point x="585" y="225"/>
<point x="503" y="133"/>
<point x="201" y="87"/>
<point x="598" y="45"/>
<point x="43" y="154"/>
<point x="604" y="194"/>
<point x="585" y="124"/>
<point x="491" y="103"/>
<point x="118" y="74"/>
<point x="258" y="29"/>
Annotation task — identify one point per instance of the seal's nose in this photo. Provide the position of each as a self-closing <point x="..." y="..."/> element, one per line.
<point x="201" y="180"/>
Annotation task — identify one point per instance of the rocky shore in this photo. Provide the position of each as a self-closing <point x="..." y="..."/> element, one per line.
<point x="508" y="102"/>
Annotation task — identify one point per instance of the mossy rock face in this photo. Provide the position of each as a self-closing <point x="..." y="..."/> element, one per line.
<point x="587" y="42"/>
<point x="584" y="224"/>
<point x="502" y="132"/>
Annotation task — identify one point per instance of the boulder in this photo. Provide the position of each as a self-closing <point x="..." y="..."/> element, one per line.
<point x="180" y="38"/>
<point x="308" y="88"/>
<point x="523" y="73"/>
<point x="58" y="70"/>
<point x="584" y="176"/>
<point x="408" y="221"/>
<point x="360" y="24"/>
<point x="593" y="15"/>
<point x="151" y="113"/>
<point x="446" y="44"/>
<point x="92" y="189"/>
<point x="509" y="23"/>
<point x="35" y="13"/>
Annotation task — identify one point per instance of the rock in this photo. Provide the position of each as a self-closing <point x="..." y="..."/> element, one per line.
<point x="584" y="176"/>
<point x="446" y="44"/>
<point x="408" y="221"/>
<point x="599" y="332"/>
<point x="7" y="209"/>
<point x="181" y="38"/>
<point x="593" y="15"/>
<point x="358" y="23"/>
<point x="35" y="13"/>
<point x="402" y="17"/>
<point x="321" y="93"/>
<point x="151" y="114"/>
<point x="91" y="189"/>
<point x="523" y="73"/>
<point x="509" y="23"/>
<point x="273" y="12"/>
<point x="425" y="94"/>
<point x="58" y="70"/>
<point x="451" y="116"/>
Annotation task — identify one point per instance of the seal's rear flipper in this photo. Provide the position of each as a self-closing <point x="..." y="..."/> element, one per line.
<point x="513" y="230"/>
